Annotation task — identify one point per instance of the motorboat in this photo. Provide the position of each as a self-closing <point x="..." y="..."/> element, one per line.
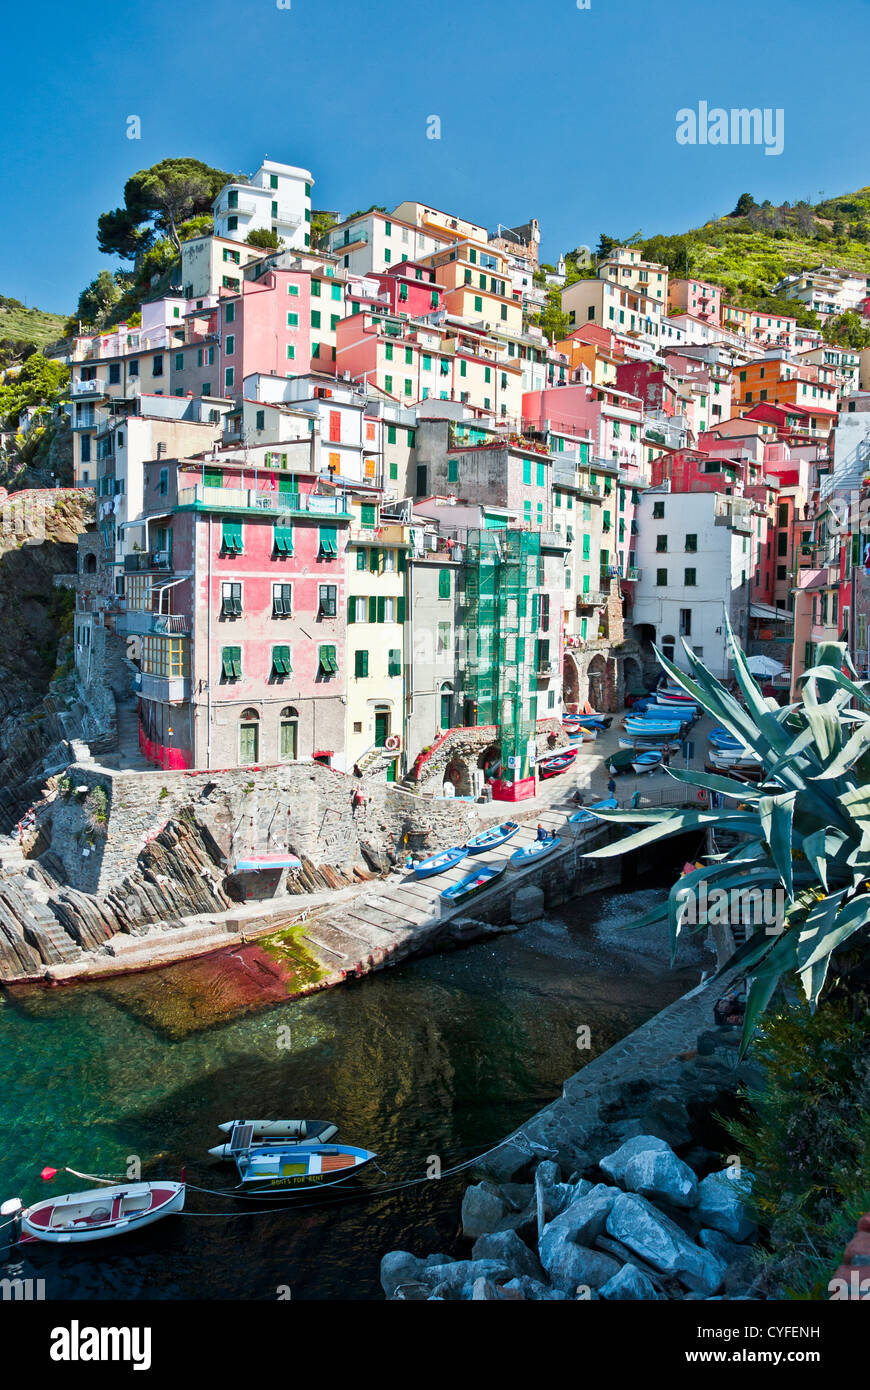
<point x="437" y="863"/>
<point x="247" y="1134"/>
<point x="490" y="839"/>
<point x="99" y="1213"/>
<point x="292" y="1168"/>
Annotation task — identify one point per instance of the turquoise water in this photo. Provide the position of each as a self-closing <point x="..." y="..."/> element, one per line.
<point x="440" y="1057"/>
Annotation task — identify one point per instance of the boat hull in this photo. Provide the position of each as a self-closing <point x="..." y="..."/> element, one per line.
<point x="268" y="1172"/>
<point x="491" y="839"/>
<point x="76" y="1217"/>
<point x="586" y="818"/>
<point x="437" y="863"/>
<point x="473" y="884"/>
<point x="530" y="853"/>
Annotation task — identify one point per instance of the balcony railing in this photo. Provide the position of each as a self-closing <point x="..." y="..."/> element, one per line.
<point x="592" y="598"/>
<point x="164" y="689"/>
<point x="251" y="499"/>
<point x="94" y="388"/>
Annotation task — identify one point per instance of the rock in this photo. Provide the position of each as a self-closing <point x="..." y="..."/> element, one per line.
<point x="483" y="1207"/>
<point x="626" y="1256"/>
<point x="721" y="1205"/>
<point x="448" y="1281"/>
<point x="660" y="1174"/>
<point x="574" y="1265"/>
<point x="629" y="1283"/>
<point x="578" y="1224"/>
<point x="720" y="1246"/>
<point x="557" y="1195"/>
<point x="615" y="1164"/>
<point x="532" y="1289"/>
<point x="668" y="1117"/>
<point x="527" y="905"/>
<point x="483" y="1289"/>
<point x="519" y="1194"/>
<point x="659" y="1240"/>
<point x="400" y="1267"/>
<point x="507" y="1248"/>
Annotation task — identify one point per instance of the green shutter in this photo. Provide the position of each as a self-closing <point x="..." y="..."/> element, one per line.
<point x="328" y="542"/>
<point x="351" y="610"/>
<point x="403" y="561"/>
<point x="360" y="559"/>
<point x="381" y="608"/>
<point x="373" y="609"/>
<point x="284" y="540"/>
<point x="400" y="608"/>
<point x="328" y="663"/>
<point x="231" y="661"/>
<point x="212" y="477"/>
<point x="443" y="583"/>
<point x="281" y="661"/>
<point x="232" y="537"/>
<point x="367" y="515"/>
<point x="360" y="664"/>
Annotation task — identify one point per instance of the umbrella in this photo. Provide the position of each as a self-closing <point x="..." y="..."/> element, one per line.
<point x="765" y="666"/>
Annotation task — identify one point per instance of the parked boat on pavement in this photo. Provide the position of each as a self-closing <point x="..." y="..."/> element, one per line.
<point x="490" y="839"/>
<point x="473" y="883"/>
<point x="437" y="863"/>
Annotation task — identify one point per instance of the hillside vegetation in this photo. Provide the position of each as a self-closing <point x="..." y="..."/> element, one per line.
<point x="20" y="327"/>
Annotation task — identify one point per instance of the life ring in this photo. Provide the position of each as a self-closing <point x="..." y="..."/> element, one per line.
<point x="454" y="775"/>
<point x="393" y="742"/>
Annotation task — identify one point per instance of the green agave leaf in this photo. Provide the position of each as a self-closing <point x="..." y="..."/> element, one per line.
<point x="831" y="932"/>
<point x="777" y="813"/>
<point x="859" y="690"/>
<point x="816" y="848"/>
<point x="729" y="786"/>
<point x="759" y="707"/>
<point x="851" y="750"/>
<point x="712" y="696"/>
<point x="673" y="825"/>
<point x="779" y="960"/>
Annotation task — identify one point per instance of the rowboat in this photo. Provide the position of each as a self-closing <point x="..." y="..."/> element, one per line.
<point x="621" y="761"/>
<point x="536" y="850"/>
<point x="473" y="883"/>
<point x="489" y="839"/>
<point x="551" y="767"/>
<point x="645" y="745"/>
<point x="437" y="863"/>
<point x="685" y="713"/>
<point x="645" y="762"/>
<point x="249" y="1134"/>
<point x="101" y="1212"/>
<point x="725" y="743"/>
<point x="295" y="1168"/>
<point x="653" y="728"/>
<point x="594" y="721"/>
<point x="585" y="817"/>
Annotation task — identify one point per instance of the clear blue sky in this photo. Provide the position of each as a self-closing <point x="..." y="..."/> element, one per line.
<point x="546" y="111"/>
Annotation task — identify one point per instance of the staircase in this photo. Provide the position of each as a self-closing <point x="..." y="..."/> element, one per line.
<point x="375" y="759"/>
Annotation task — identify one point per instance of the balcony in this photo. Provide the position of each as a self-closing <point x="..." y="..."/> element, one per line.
<point x="632" y="574"/>
<point x="546" y="666"/>
<point x="86" y="418"/>
<point x="224" y="499"/>
<point x="148" y="561"/>
<point x="245" y="207"/>
<point x="589" y="490"/>
<point x="95" y="389"/>
<point x="608" y="465"/>
<point x="592" y="598"/>
<point x="168" y="690"/>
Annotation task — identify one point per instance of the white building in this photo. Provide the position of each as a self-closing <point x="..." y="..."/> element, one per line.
<point x="697" y="554"/>
<point x="826" y="290"/>
<point x="277" y="198"/>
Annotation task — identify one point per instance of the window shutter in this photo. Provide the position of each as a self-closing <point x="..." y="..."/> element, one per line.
<point x="400" y="609"/>
<point x="351" y="610"/>
<point x="381" y="608"/>
<point x="373" y="609"/>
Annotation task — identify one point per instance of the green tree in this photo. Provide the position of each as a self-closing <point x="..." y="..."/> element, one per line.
<point x="157" y="200"/>
<point x="605" y="245"/>
<point x="265" y="239"/>
<point x="41" y="381"/>
<point x="745" y="204"/>
<point x="320" y="225"/>
<point x="848" y="330"/>
<point x="552" y="320"/>
<point x="97" y="300"/>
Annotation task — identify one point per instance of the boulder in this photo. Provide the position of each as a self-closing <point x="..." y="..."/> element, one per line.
<point x="483" y="1207"/>
<point x="660" y="1174"/>
<point x="615" y="1164"/>
<point x="400" y="1267"/>
<point x="721" y="1204"/>
<point x="483" y="1289"/>
<point x="449" y="1280"/>
<point x="531" y="1289"/>
<point x="629" y="1283"/>
<point x="573" y="1266"/>
<point x="724" y="1249"/>
<point x="507" y="1248"/>
<point x="660" y="1241"/>
<point x="578" y="1224"/>
<point x="557" y="1194"/>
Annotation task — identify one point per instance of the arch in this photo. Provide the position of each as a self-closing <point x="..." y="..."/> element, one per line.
<point x="445" y="706"/>
<point x="570" y="684"/>
<point x="489" y="762"/>
<point x="597" y="675"/>
<point x="632" y="676"/>
<point x="458" y="772"/>
<point x="90" y="564"/>
<point x="288" y="734"/>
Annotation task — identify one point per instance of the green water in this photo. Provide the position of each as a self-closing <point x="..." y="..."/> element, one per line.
<point x="440" y="1057"/>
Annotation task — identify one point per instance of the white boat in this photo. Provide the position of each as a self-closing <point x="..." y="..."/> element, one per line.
<point x="101" y="1212"/>
<point x="248" y="1134"/>
<point x="280" y="1169"/>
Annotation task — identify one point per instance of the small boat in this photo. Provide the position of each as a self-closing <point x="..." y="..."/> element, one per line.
<point x="473" y="883"/>
<point x="645" y="762"/>
<point x="726" y="744"/>
<point x="621" y="761"/>
<point x="267" y="862"/>
<point x="536" y="850"/>
<point x="685" y="713"/>
<point x="248" y="1134"/>
<point x="552" y="766"/>
<point x="588" y="735"/>
<point x="101" y="1212"/>
<point x="585" y="816"/>
<point x="595" y="721"/>
<point x="654" y="729"/>
<point x="437" y="863"/>
<point x="646" y="745"/>
<point x="278" y="1169"/>
<point x="490" y="839"/>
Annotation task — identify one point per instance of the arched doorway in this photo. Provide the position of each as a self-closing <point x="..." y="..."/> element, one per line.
<point x="597" y="674"/>
<point x="249" y="737"/>
<point x="382" y="725"/>
<point x="458" y="773"/>
<point x="632" y="676"/>
<point x="445" y="707"/>
<point x="489" y="762"/>
<point x="570" y="684"/>
<point x="288" y="734"/>
<point x="669" y="646"/>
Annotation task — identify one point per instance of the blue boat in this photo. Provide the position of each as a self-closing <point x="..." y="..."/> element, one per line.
<point x="474" y="882"/>
<point x="655" y="729"/>
<point x="685" y="713"/>
<point x="490" y="839"/>
<point x="536" y="850"/>
<point x="585" y="816"/>
<point x="437" y="863"/>
<point x="645" y="762"/>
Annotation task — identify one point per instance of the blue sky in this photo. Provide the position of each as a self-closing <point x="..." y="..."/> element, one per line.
<point x="545" y="110"/>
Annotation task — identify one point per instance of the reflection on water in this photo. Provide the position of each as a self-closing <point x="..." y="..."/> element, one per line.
<point x="439" y="1057"/>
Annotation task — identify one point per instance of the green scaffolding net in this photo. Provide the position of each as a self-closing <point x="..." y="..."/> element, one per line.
<point x="501" y="568"/>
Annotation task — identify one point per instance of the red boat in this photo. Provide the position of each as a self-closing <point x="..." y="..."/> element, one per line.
<point x="560" y="762"/>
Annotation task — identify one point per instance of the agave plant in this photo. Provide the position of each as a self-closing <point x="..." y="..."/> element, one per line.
<point x="805" y="828"/>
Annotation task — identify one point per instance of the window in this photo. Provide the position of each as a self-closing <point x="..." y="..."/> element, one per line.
<point x="326" y="662"/>
<point x="157" y="364"/>
<point x="231" y="533"/>
<point x="232" y="222"/>
<point x="444" y="583"/>
<point x="360" y="664"/>
<point x="282" y="600"/>
<point x="163" y="482"/>
<point x="230" y="345"/>
<point x="689" y="578"/>
<point x="231" y="663"/>
<point x="328" y="549"/>
<point x="661" y="544"/>
<point x="328" y="598"/>
<point x="453" y="470"/>
<point x="249" y="737"/>
<point x="661" y="578"/>
<point x="444" y="638"/>
<point x="179" y="361"/>
<point x="478" y="304"/>
<point x="229" y="377"/>
<point x="658" y="511"/>
<point x="685" y="622"/>
<point x="281" y="666"/>
<point x="692" y="542"/>
<point x="231" y="600"/>
<point x="291" y="353"/>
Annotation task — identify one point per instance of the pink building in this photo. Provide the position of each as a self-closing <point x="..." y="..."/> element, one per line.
<point x="698" y="298"/>
<point x="245" y="658"/>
